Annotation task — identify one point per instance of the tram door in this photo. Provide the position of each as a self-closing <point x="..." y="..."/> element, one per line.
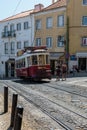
<point x="82" y="63"/>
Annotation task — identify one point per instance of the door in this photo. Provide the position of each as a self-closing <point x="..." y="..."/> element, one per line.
<point x="6" y="69"/>
<point x="82" y="64"/>
<point x="12" y="69"/>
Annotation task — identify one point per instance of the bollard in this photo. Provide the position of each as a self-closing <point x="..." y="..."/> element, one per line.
<point x="14" y="105"/>
<point x="18" y="118"/>
<point x="5" y="99"/>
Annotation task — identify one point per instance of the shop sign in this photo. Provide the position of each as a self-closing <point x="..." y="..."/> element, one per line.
<point x="73" y="57"/>
<point x="56" y="55"/>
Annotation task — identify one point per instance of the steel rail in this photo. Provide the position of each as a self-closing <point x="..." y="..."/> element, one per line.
<point x="61" y="123"/>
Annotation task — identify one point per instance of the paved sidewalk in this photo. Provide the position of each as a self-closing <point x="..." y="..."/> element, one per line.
<point x="4" y="117"/>
<point x="75" y="74"/>
<point x="78" y="74"/>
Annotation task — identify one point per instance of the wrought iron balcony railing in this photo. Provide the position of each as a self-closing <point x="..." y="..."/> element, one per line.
<point x="8" y="34"/>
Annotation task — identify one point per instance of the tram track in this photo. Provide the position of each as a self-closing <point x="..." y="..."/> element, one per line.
<point x="68" y="91"/>
<point x="27" y="96"/>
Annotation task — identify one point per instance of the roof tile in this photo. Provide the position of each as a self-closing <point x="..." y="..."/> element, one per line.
<point x="59" y="3"/>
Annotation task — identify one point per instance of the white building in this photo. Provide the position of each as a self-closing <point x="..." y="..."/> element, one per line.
<point x="16" y="32"/>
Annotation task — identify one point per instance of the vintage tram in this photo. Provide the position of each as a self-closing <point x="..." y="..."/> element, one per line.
<point x="33" y="63"/>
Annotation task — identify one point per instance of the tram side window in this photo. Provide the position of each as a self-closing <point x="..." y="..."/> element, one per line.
<point x="34" y="60"/>
<point x="29" y="60"/>
<point x="20" y="63"/>
<point x="17" y="64"/>
<point x="23" y="62"/>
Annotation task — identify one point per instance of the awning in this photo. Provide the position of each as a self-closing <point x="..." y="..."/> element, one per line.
<point x="11" y="60"/>
<point x="81" y="54"/>
<point x="55" y="55"/>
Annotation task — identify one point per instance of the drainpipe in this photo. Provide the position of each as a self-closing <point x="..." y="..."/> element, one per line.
<point x="67" y="41"/>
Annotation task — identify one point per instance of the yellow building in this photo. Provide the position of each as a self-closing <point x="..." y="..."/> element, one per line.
<point x="62" y="27"/>
<point x="77" y="13"/>
<point x="50" y="30"/>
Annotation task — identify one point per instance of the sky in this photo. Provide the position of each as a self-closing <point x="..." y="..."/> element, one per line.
<point x="12" y="7"/>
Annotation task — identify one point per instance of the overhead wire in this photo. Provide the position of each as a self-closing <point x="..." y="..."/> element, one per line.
<point x="17" y="6"/>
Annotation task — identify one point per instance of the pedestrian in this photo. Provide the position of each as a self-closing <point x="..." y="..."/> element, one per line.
<point x="64" y="71"/>
<point x="73" y="71"/>
<point x="58" y="72"/>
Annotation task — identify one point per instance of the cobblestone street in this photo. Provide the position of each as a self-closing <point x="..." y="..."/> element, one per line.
<point x="34" y="119"/>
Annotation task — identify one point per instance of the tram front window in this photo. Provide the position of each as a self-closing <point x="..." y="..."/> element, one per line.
<point x="41" y="59"/>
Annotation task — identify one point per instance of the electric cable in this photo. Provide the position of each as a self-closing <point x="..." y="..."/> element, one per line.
<point x="17" y="6"/>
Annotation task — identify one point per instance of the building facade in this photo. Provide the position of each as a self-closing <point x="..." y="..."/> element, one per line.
<point x="16" y="33"/>
<point x="77" y="13"/>
<point x="63" y="29"/>
<point x="50" y="30"/>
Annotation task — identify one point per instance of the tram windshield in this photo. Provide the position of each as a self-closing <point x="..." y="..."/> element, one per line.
<point x="40" y="59"/>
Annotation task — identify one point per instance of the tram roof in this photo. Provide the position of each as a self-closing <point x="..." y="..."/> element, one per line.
<point x="36" y="52"/>
<point x="33" y="49"/>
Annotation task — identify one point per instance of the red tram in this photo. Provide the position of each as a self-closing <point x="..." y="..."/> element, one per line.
<point x="33" y="63"/>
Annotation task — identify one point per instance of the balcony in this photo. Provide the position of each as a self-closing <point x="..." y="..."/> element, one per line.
<point x="8" y="34"/>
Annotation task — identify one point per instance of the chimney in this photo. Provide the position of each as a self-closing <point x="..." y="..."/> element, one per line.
<point x="53" y="1"/>
<point x="38" y="7"/>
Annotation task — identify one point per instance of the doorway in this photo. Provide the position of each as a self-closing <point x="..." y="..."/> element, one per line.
<point x="10" y="68"/>
<point x="82" y="64"/>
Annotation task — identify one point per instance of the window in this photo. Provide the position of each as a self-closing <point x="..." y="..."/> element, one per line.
<point x="41" y="59"/>
<point x="38" y="41"/>
<point x="49" y="22"/>
<point x="29" y="61"/>
<point x="18" y="45"/>
<point x="34" y="60"/>
<point x="18" y="26"/>
<point x="84" y="20"/>
<point x="12" y="47"/>
<point x="26" y="44"/>
<point x="25" y="25"/>
<point x="5" y="33"/>
<point x="6" y="29"/>
<point x="49" y="42"/>
<point x="12" y="27"/>
<point x="38" y="24"/>
<point x="60" y="41"/>
<point x="60" y="21"/>
<point x="84" y="41"/>
<point x="20" y="63"/>
<point x="6" y="47"/>
<point x="84" y="2"/>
